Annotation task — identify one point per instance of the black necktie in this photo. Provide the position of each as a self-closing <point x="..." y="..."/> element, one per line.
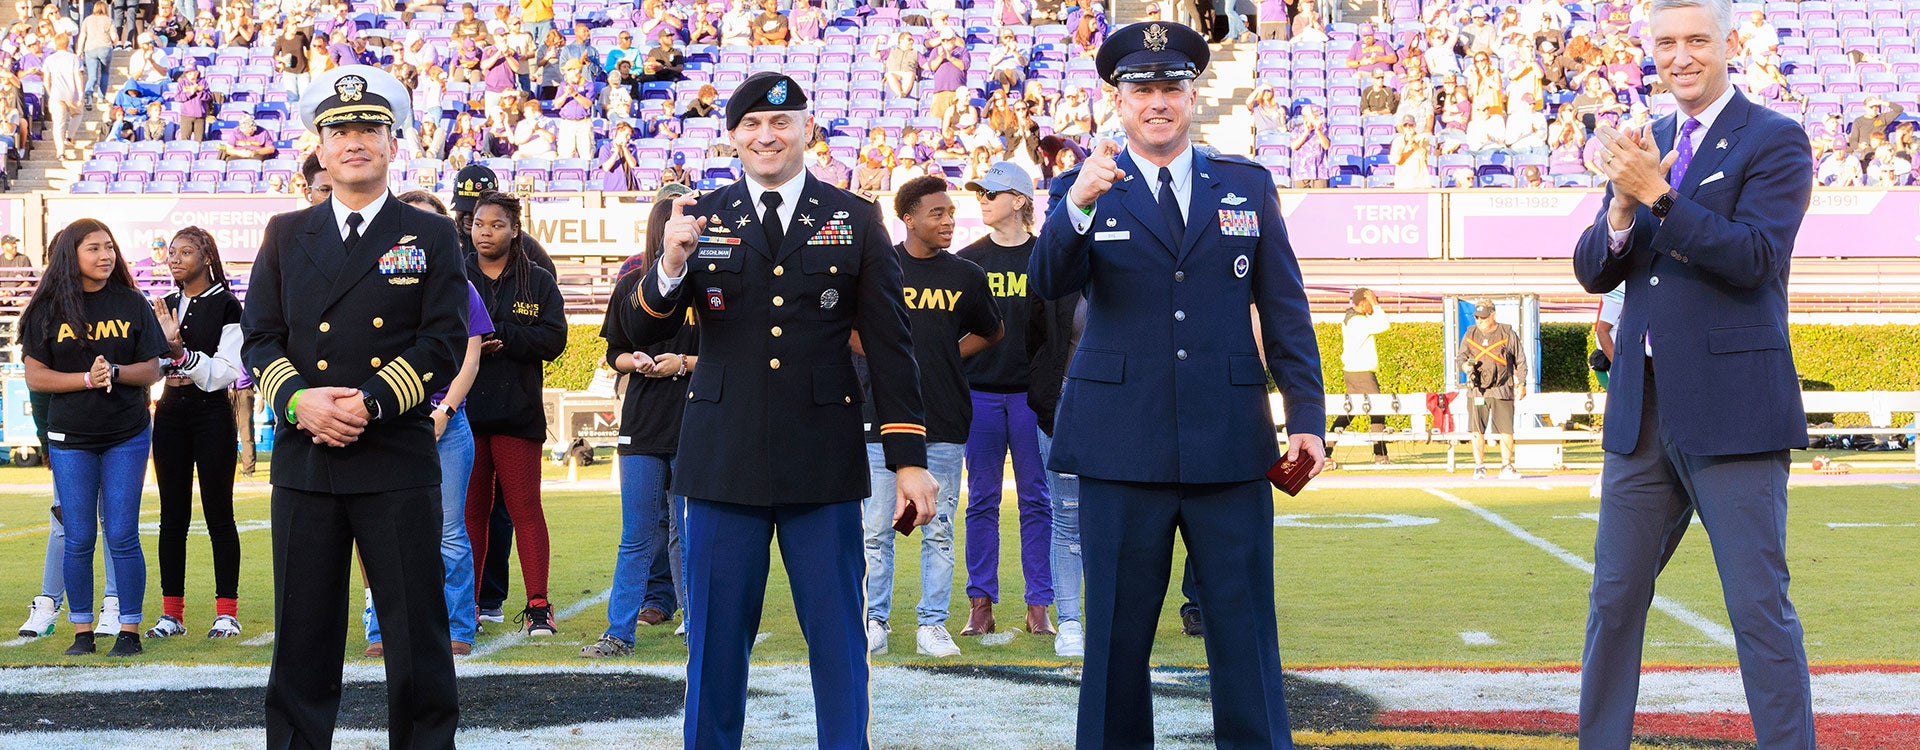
<point x="770" y="220"/>
<point x="1170" y="207"/>
<point x="353" y="230"/>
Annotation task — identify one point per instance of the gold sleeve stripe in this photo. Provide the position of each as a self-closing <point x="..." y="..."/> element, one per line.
<point x="642" y="299"/>
<point x="406" y="385"/>
<point x="275" y="377"/>
<point x="902" y="428"/>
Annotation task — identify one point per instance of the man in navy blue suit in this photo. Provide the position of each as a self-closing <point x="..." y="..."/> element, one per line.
<point x="1704" y="402"/>
<point x="1164" y="414"/>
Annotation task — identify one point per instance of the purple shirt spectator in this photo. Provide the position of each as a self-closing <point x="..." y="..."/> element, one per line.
<point x="570" y="106"/>
<point x="193" y="99"/>
<point x="478" y="324"/>
<point x="259" y="138"/>
<point x="948" y="76"/>
<point x="621" y="177"/>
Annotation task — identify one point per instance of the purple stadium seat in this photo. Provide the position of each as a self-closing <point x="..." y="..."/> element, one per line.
<point x="163" y="186"/>
<point x="88" y="188"/>
<point x="127" y="187"/>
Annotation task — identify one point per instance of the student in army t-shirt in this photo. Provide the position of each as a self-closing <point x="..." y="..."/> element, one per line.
<point x="952" y="316"/>
<point x="91" y="340"/>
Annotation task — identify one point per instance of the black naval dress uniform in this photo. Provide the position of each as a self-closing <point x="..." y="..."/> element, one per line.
<point x="772" y="437"/>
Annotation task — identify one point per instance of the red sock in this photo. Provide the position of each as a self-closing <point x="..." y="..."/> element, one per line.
<point x="539" y="600"/>
<point x="228" y="607"/>
<point x="174" y="607"/>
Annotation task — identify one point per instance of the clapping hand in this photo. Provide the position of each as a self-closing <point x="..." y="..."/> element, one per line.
<point x="1634" y="170"/>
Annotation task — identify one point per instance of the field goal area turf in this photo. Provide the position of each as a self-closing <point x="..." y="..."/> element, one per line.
<point x="1416" y="611"/>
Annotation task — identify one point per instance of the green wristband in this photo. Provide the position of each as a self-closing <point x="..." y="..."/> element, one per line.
<point x="292" y="404"/>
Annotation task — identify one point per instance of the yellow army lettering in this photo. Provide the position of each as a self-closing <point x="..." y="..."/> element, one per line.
<point x="528" y="309"/>
<point x="1007" y="283"/>
<point x="104" y="329"/>
<point x="932" y="299"/>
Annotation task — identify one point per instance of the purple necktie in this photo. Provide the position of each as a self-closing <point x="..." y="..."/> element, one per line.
<point x="1683" y="147"/>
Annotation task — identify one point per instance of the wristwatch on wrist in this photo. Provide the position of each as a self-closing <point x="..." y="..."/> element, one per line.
<point x="373" y="405"/>
<point x="444" y="408"/>
<point x="1664" y="204"/>
<point x="113" y="373"/>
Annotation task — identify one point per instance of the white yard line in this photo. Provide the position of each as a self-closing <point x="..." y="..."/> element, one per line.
<point x="259" y="640"/>
<point x="514" y="638"/>
<point x="1479" y="638"/>
<point x="1714" y="631"/>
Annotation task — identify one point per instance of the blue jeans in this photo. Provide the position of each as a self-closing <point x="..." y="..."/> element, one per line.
<point x="667" y="583"/>
<point x="103" y="484"/>
<point x="98" y="61"/>
<point x="1065" y="557"/>
<point x="456" y="553"/>
<point x="643" y="501"/>
<point x="53" y="572"/>
<point x="936" y="541"/>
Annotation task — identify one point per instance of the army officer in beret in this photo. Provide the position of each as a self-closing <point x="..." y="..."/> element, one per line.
<point x="1164" y="414"/>
<point x="782" y="270"/>
<point x="357" y="310"/>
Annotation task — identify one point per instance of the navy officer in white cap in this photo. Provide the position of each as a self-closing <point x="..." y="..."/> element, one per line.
<point x="1164" y="414"/>
<point x="357" y="310"/>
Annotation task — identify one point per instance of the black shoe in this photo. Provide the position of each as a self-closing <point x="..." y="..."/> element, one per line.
<point x="537" y="619"/>
<point x="82" y="643"/>
<point x="1190" y="622"/>
<point x="126" y="644"/>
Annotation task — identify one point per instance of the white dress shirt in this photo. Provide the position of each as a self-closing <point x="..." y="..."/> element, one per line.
<point x="340" y="212"/>
<point x="1182" y="168"/>
<point x="789" y="192"/>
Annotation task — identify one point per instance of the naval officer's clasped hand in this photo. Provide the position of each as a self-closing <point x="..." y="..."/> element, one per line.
<point x="320" y="413"/>
<point x="914" y="489"/>
<point x="677" y="241"/>
<point x="1097" y="175"/>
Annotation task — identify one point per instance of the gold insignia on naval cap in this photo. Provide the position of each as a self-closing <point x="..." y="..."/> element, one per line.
<point x="1156" y="39"/>
<point x="350" y="88"/>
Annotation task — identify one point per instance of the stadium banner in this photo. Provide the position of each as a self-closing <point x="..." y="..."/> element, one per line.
<point x="564" y="229"/>
<point x="1840" y="223"/>
<point x="236" y="222"/>
<point x="1366" y="224"/>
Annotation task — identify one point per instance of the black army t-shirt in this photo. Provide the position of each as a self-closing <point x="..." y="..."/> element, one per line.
<point x="650" y="412"/>
<point x="121" y="327"/>
<point x="1003" y="367"/>
<point x="947" y="298"/>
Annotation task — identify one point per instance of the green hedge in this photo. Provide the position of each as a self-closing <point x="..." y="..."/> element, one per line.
<point x="574" y="369"/>
<point x="1410" y="357"/>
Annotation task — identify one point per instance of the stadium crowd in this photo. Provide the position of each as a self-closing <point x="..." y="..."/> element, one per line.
<point x="576" y="94"/>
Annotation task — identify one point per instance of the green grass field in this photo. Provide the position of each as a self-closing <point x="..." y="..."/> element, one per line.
<point x="1376" y="594"/>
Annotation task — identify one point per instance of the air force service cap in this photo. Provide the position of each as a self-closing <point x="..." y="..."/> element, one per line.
<point x="1152" y="51"/>
<point x="356" y="94"/>
<point x="764" y="92"/>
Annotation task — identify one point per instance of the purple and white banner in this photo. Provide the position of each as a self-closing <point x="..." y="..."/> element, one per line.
<point x="237" y="223"/>
<point x="1364" y="224"/>
<point x="1546" y="223"/>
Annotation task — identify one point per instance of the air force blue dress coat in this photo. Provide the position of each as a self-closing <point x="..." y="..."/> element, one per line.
<point x="1168" y="384"/>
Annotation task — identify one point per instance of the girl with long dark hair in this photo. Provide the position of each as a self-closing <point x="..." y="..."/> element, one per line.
<point x="504" y="411"/>
<point x="193" y="427"/>
<point x="657" y="378"/>
<point x="91" y="340"/>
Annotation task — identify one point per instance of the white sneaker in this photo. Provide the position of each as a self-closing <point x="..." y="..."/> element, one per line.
<point x="682" y="630"/>
<point x="1072" y="640"/>
<point x="934" y="640"/>
<point x="107" y="620"/>
<point x="166" y="627"/>
<point x="1594" y="491"/>
<point x="42" y="614"/>
<point x="877" y="636"/>
<point x="1507" y="472"/>
<point x="224" y="626"/>
<point x="1479" y="472"/>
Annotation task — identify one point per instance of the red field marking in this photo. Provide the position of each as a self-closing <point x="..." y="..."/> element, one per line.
<point x="1836" y="731"/>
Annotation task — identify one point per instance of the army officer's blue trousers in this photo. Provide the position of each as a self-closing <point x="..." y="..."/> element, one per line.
<point x="1126" y="539"/>
<point x="727" y="557"/>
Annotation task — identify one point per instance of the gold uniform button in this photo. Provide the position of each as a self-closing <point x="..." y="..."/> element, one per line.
<point x="376" y="363"/>
<point x="775" y="363"/>
<point x="689" y="395"/>
<point x="779" y="270"/>
<point x="322" y="364"/>
<point x="711" y="267"/>
<point x="378" y="322"/>
<point x="849" y="399"/>
<point x="778" y="301"/>
<point x="833" y="269"/>
<point x="324" y="327"/>
<point x="776" y="332"/>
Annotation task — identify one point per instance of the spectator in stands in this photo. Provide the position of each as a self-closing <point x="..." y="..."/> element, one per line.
<point x="620" y="161"/>
<point x="677" y="171"/>
<point x="1886" y="169"/>
<point x="947" y="59"/>
<point x="193" y="99"/>
<point x="616" y="100"/>
<point x="14" y="125"/>
<point x="902" y="69"/>
<point x="1416" y="101"/>
<point x="1880" y="114"/>
<point x="1567" y="142"/>
<point x="1370" y="53"/>
<point x="248" y="141"/>
<point x="1526" y="125"/>
<point x="705" y="26"/>
<point x="1409" y="154"/>
<point x="547" y="62"/>
<point x="1073" y="114"/>
<point x="665" y="62"/>
<point x="770" y="27"/>
<point x="467" y="57"/>
<point x="575" y="105"/>
<point x="829" y="170"/>
<point x="469" y="25"/>
<point x="1268" y="114"/>
<point x="534" y="136"/>
<point x="1478" y="35"/>
<point x="657" y="17"/>
<point x="1089" y="28"/>
<point x="1530" y="178"/>
<point x="1379" y="99"/>
<point x="1007" y="66"/>
<point x="64" y="91"/>
<point x="353" y="51"/>
<point x="624" y="50"/>
<point x="10" y="255"/>
<point x="809" y="22"/>
<point x="149" y="63"/>
<point x="1837" y="167"/>
<point x="290" y="58"/>
<point x="736" y="26"/>
<point x="1524" y="77"/>
<point x="1595" y="99"/>
<point x="168" y="26"/>
<point x="154" y="127"/>
<point x="319" y="56"/>
<point x="496" y="74"/>
<point x="876" y="163"/>
<point x="1309" y="148"/>
<point x="703" y="104"/>
<point x="1757" y="36"/>
<point x="96" y="52"/>
<point x="415" y="51"/>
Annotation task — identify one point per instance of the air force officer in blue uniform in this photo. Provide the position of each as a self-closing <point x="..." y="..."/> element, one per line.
<point x="1704" y="402"/>
<point x="1165" y="414"/>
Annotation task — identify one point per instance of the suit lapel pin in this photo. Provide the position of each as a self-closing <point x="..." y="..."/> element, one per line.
<point x="736" y="204"/>
<point x="1722" y="144"/>
<point x="1111" y="222"/>
<point x="745" y="221"/>
<point x="807" y="220"/>
<point x="1205" y="176"/>
<point x="814" y="201"/>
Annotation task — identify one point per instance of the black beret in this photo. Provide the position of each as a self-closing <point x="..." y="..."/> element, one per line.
<point x="764" y="92"/>
<point x="1152" y="51"/>
<point x="473" y="180"/>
